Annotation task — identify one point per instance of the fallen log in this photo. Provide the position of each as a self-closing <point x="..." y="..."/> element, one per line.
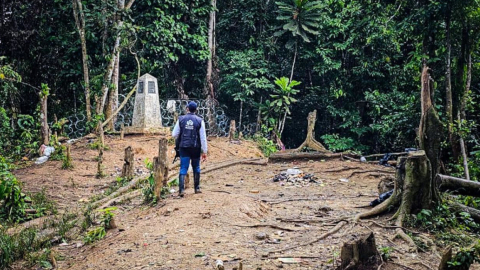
<point x="474" y="213"/>
<point x="287" y="155"/>
<point x="459" y="185"/>
<point x="391" y="154"/>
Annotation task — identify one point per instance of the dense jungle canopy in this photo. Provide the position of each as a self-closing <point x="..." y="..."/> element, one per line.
<point x="358" y="63"/>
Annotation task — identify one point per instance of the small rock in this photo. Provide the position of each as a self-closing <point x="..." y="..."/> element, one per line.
<point x="261" y="236"/>
<point x="254" y="191"/>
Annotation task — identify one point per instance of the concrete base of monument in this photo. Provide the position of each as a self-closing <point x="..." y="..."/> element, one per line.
<point x="149" y="131"/>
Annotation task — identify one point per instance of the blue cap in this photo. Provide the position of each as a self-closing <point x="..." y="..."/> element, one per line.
<point x="192" y="106"/>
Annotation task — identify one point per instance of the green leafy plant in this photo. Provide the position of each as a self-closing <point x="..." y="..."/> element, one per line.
<point x="267" y="146"/>
<point x="465" y="257"/>
<point x="12" y="200"/>
<point x="107" y="217"/>
<point x="386" y="252"/>
<point x="336" y="143"/>
<point x="95" y="234"/>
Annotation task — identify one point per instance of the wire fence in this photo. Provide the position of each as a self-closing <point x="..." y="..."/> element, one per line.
<point x="76" y="126"/>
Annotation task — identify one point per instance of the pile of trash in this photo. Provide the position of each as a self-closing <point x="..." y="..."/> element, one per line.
<point x="295" y="177"/>
<point x="45" y="153"/>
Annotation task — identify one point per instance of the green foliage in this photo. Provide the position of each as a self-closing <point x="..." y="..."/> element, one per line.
<point x="267" y="146"/>
<point x="66" y="160"/>
<point x="96" y="145"/>
<point x="19" y="245"/>
<point x="301" y="18"/>
<point x="12" y="200"/>
<point x="336" y="143"/>
<point x="95" y="234"/>
<point x="465" y="257"/>
<point x="386" y="252"/>
<point x="148" y="190"/>
<point x="42" y="204"/>
<point x="107" y="217"/>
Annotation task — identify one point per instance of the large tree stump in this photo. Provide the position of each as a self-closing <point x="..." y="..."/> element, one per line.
<point x="360" y="253"/>
<point x="310" y="141"/>
<point x="415" y="187"/>
<point x="161" y="167"/>
<point x="128" y="165"/>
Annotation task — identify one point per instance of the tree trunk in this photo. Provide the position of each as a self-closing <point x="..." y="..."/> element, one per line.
<point x="463" y="150"/>
<point x="240" y="116"/>
<point x="179" y="83"/>
<point x="161" y="167"/>
<point x="293" y="63"/>
<point x="44" y="119"/>
<point x="448" y="87"/>
<point x="100" y="172"/>
<point x="128" y="165"/>
<point x="415" y="188"/>
<point x="113" y="95"/>
<point x="109" y="71"/>
<point x="209" y="91"/>
<point x="310" y="140"/>
<point x="80" y="23"/>
<point x="259" y="118"/>
<point x="360" y="253"/>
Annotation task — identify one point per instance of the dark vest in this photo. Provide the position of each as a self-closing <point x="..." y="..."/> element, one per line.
<point x="190" y="125"/>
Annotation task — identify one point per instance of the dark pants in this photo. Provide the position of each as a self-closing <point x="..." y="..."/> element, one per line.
<point x="187" y="154"/>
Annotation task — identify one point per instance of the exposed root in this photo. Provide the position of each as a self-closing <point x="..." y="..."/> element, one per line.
<point x="321" y="237"/>
<point x="121" y="198"/>
<point x="369" y="171"/>
<point x="377" y="210"/>
<point x="267" y="225"/>
<point x="293" y="200"/>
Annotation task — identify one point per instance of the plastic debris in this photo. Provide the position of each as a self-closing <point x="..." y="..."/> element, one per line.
<point x="345" y="180"/>
<point x="381" y="198"/>
<point x="295" y="179"/>
<point x="46" y="152"/>
<point x="293" y="171"/>
<point x="363" y="159"/>
<point x="384" y="160"/>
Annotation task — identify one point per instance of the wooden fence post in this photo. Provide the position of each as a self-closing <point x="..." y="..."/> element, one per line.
<point x="128" y="165"/>
<point x="231" y="133"/>
<point x="161" y="167"/>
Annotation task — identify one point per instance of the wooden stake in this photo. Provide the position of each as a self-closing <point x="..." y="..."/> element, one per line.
<point x="122" y="132"/>
<point x="128" y="165"/>
<point x="231" y="133"/>
<point x="161" y="167"/>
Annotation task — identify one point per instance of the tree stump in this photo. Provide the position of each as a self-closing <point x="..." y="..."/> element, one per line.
<point x="310" y="140"/>
<point x="128" y="165"/>
<point x="100" y="172"/>
<point x="161" y="167"/>
<point x="415" y="187"/>
<point x="360" y="253"/>
<point x="44" y="131"/>
<point x="231" y="132"/>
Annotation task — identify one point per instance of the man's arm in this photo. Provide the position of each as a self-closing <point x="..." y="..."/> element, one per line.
<point x="203" y="138"/>
<point x="176" y="130"/>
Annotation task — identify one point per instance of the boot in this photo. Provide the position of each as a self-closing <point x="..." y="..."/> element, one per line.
<point x="181" y="185"/>
<point x="196" y="180"/>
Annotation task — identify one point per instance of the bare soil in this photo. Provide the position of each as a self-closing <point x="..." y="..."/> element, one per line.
<point x="241" y="216"/>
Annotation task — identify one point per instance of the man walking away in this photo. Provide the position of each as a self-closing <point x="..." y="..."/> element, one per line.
<point x="192" y="140"/>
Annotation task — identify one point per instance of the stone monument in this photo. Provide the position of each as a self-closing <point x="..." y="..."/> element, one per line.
<point x="146" y="113"/>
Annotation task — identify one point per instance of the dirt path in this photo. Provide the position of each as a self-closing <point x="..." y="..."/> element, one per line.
<point x="242" y="215"/>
